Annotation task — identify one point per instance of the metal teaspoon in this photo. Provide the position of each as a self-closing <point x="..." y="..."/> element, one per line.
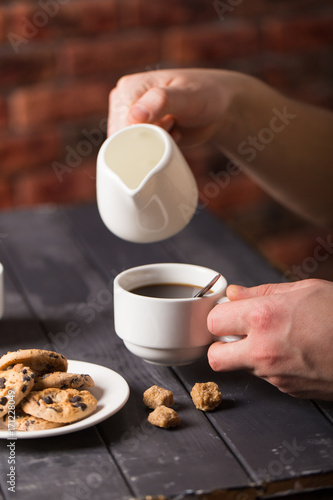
<point x="208" y="286"/>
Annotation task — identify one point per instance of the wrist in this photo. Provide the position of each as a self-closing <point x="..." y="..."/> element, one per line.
<point x="239" y="103"/>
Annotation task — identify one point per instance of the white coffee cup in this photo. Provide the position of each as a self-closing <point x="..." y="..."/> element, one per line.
<point x="1" y="290"/>
<point x="166" y="331"/>
<point x="145" y="189"/>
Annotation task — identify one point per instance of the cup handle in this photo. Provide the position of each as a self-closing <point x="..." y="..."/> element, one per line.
<point x="228" y="338"/>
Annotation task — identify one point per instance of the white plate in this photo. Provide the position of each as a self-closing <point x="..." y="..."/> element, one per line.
<point x="111" y="391"/>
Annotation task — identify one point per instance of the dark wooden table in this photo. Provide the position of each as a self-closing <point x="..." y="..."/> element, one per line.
<point x="59" y="267"/>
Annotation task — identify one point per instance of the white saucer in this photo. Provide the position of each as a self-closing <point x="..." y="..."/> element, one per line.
<point x="111" y="391"/>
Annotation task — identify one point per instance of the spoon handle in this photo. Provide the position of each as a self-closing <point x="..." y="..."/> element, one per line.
<point x="208" y="286"/>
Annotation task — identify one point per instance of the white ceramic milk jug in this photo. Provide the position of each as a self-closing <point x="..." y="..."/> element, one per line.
<point x="145" y="189"/>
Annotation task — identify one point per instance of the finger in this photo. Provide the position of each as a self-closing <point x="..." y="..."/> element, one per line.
<point x="129" y="90"/>
<point x="167" y="122"/>
<point x="158" y="102"/>
<point x="229" y="318"/>
<point x="235" y="292"/>
<point x="228" y="357"/>
<point x="148" y="107"/>
<point x="118" y="112"/>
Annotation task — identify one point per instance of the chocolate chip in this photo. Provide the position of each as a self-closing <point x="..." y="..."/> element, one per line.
<point x="3" y="401"/>
<point x="75" y="399"/>
<point x="2" y="382"/>
<point x="48" y="400"/>
<point x="24" y="388"/>
<point x="24" y="371"/>
<point x="26" y="378"/>
<point x="83" y="406"/>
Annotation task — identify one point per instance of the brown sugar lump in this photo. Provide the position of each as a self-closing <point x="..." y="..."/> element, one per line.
<point x="206" y="396"/>
<point x="164" y="417"/>
<point x="157" y="396"/>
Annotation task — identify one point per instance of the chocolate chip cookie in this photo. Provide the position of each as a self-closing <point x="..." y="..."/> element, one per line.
<point x="15" y="383"/>
<point x="38" y="360"/>
<point x="62" y="380"/>
<point x="59" y="405"/>
<point x="24" y="422"/>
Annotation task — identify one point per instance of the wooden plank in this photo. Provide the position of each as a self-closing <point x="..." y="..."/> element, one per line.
<point x="285" y="437"/>
<point x="282" y="429"/>
<point x="205" y="241"/>
<point x="327" y="408"/>
<point x="49" y="467"/>
<point x="61" y="285"/>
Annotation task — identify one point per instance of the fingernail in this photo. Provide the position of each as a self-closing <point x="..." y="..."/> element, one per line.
<point x="140" y="113"/>
<point x="235" y="289"/>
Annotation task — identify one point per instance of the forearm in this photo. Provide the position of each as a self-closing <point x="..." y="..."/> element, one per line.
<point x="286" y="146"/>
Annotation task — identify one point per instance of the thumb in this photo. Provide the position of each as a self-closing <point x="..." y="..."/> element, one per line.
<point x="236" y="292"/>
<point x="158" y="102"/>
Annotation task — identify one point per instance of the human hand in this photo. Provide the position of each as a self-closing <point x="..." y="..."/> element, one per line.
<point x="187" y="103"/>
<point x="289" y="335"/>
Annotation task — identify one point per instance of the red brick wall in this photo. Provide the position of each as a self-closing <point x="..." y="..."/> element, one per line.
<point x="60" y="58"/>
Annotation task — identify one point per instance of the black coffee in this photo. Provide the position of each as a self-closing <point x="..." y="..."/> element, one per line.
<point x="167" y="290"/>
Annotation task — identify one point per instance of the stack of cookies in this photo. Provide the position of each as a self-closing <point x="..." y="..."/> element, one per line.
<point x="37" y="392"/>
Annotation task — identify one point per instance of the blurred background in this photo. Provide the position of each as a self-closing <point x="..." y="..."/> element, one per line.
<point x="60" y="58"/>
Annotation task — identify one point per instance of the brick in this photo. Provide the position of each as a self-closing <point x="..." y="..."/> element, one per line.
<point x="93" y="131"/>
<point x="232" y="195"/>
<point x="39" y="105"/>
<point x="15" y="16"/>
<point x="159" y="13"/>
<point x="6" y="199"/>
<point x="226" y="9"/>
<point x="209" y="42"/>
<point x="315" y="91"/>
<point x="104" y="56"/>
<point x="307" y="33"/>
<point x="44" y="187"/>
<point x="294" y="253"/>
<point x="87" y="17"/>
<point x="2" y="25"/>
<point x="289" y="247"/>
<point x="3" y="113"/>
<point x="174" y="12"/>
<point x="50" y="19"/>
<point x="31" y="64"/>
<point x="23" y="152"/>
